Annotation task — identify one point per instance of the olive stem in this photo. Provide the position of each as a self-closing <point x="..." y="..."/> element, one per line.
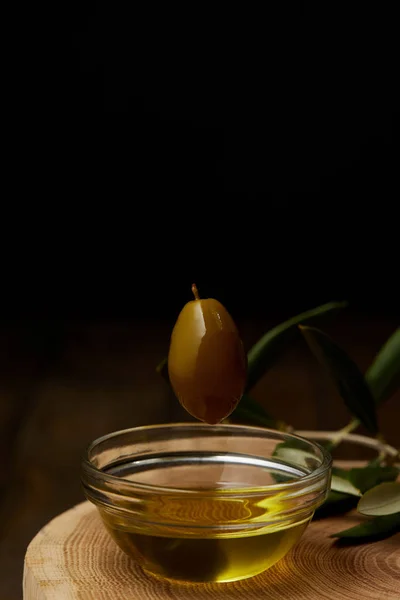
<point x="195" y="291"/>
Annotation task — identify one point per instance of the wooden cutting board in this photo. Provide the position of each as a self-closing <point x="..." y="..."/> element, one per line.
<point x="73" y="558"/>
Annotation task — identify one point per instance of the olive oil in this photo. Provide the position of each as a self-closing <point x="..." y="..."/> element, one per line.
<point x="206" y="559"/>
<point x="205" y="516"/>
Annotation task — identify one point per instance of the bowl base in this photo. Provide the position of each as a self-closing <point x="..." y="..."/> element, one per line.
<point x="208" y="560"/>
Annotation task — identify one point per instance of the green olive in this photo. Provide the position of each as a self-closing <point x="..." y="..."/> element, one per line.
<point x="207" y="363"/>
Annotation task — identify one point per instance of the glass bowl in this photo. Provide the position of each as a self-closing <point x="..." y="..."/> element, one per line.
<point x="204" y="503"/>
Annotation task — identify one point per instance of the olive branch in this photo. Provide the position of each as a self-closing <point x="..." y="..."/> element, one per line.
<point x="374" y="489"/>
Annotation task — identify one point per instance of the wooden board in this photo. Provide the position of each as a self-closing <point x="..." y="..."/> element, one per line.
<point x="73" y="558"/>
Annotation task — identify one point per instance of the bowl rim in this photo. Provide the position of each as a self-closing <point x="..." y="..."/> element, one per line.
<point x="116" y="482"/>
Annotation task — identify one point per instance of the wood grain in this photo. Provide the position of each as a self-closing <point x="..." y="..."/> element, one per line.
<point x="73" y="558"/>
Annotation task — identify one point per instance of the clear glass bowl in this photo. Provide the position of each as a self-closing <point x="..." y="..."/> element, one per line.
<point x="202" y="503"/>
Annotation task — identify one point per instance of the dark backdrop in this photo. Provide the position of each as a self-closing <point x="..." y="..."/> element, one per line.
<point x="256" y="153"/>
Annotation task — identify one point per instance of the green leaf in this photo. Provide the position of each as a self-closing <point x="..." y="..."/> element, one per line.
<point x="263" y="354"/>
<point x="383" y="499"/>
<point x="250" y="411"/>
<point x="296" y="452"/>
<point x="346" y="375"/>
<point x="162" y="369"/>
<point x="370" y="530"/>
<point x="338" y="484"/>
<point x="383" y="376"/>
<point x="365" y="478"/>
<point x="336" y="503"/>
<point x="294" y="444"/>
<point x="343" y="473"/>
<point x="376" y="462"/>
<point x="294" y="456"/>
<point x="361" y="479"/>
<point x="334" y="497"/>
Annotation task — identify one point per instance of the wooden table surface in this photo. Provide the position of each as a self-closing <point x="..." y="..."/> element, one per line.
<point x="90" y="379"/>
<point x="74" y="558"/>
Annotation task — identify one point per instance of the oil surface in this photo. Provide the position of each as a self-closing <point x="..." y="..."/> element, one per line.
<point x="206" y="559"/>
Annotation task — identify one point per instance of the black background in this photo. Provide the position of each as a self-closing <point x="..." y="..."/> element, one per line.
<point x="255" y="152"/>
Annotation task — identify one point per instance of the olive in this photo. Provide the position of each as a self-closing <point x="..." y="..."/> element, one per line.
<point x="207" y="364"/>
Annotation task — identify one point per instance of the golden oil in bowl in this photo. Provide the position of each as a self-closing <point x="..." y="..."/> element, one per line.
<point x="215" y="506"/>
